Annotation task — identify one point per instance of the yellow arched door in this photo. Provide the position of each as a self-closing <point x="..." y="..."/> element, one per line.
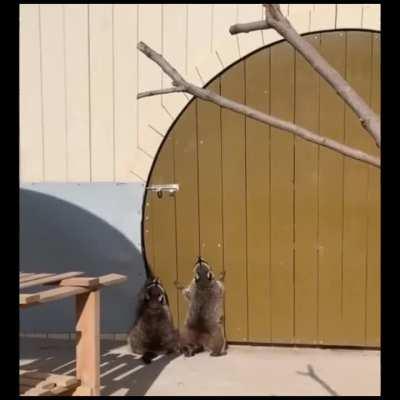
<point x="296" y="227"/>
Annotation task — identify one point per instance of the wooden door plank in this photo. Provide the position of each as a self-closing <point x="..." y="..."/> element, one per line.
<point x="210" y="180"/>
<point x="257" y="198"/>
<point x="148" y="232"/>
<point x="374" y="210"/>
<point x="306" y="201"/>
<point x="163" y="225"/>
<point x="358" y="74"/>
<point x="234" y="205"/>
<point x="330" y="198"/>
<point x="282" y="167"/>
<point x="187" y="207"/>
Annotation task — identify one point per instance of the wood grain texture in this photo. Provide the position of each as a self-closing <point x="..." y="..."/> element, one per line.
<point x="152" y="121"/>
<point x="210" y="180"/>
<point x="163" y="225"/>
<point x="282" y="177"/>
<point x="125" y="89"/>
<point x="258" y="199"/>
<point x="53" y="90"/>
<point x="77" y="92"/>
<point x="102" y="92"/>
<point x="226" y="47"/>
<point x="253" y="40"/>
<point x="271" y="206"/>
<point x="373" y="284"/>
<point x="174" y="40"/>
<point x="30" y="95"/>
<point x="48" y="279"/>
<point x="348" y="15"/>
<point x="234" y="205"/>
<point x="330" y="199"/>
<point x="88" y="340"/>
<point x="300" y="16"/>
<point x="187" y="200"/>
<point x="306" y="202"/>
<point x="371" y="16"/>
<point x="358" y="74"/>
<point x="83" y="114"/>
<point x="199" y="19"/>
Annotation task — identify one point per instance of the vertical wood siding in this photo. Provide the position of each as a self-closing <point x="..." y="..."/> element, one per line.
<point x="80" y="72"/>
<point x="294" y="226"/>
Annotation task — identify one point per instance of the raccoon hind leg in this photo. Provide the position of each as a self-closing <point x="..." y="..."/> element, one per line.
<point x="190" y="343"/>
<point x="217" y="343"/>
<point x="135" y="344"/>
<point x="148" y="356"/>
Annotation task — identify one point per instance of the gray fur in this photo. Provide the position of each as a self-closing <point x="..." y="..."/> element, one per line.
<point x="153" y="332"/>
<point x="203" y="328"/>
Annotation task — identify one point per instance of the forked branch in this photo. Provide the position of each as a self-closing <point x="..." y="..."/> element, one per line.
<point x="274" y="19"/>
<point x="205" y="94"/>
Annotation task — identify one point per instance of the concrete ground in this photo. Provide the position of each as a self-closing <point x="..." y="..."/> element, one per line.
<point x="245" y="370"/>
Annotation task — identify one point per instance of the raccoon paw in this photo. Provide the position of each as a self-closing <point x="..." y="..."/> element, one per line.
<point x="218" y="353"/>
<point x="187" y="351"/>
<point x="148" y="356"/>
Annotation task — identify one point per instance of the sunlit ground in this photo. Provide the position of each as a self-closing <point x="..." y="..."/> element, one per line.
<point x="245" y="370"/>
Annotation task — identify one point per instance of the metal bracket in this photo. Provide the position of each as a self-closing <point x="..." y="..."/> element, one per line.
<point x="168" y="188"/>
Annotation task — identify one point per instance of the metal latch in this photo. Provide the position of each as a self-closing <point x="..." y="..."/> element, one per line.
<point x="159" y="189"/>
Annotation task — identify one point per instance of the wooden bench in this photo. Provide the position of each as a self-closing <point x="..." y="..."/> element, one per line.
<point x="33" y="383"/>
<point x="87" y="294"/>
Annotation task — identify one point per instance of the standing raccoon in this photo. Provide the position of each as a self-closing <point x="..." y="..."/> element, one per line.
<point x="153" y="332"/>
<point x="203" y="328"/>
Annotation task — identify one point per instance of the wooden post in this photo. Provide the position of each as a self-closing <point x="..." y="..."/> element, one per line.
<point x="88" y="343"/>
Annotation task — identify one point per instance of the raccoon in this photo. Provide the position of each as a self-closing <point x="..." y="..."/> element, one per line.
<point x="153" y="332"/>
<point x="203" y="327"/>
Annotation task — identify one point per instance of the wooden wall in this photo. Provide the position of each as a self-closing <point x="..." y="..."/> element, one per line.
<point x="296" y="227"/>
<point x="80" y="73"/>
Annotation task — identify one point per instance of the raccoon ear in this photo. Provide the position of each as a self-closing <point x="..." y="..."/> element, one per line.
<point x="197" y="276"/>
<point x="209" y="275"/>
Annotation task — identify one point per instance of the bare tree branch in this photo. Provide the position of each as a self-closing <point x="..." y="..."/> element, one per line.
<point x="275" y="19"/>
<point x="207" y="95"/>
<point x="160" y="91"/>
<point x="248" y="27"/>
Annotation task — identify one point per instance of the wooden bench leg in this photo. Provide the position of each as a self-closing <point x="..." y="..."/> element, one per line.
<point x="88" y="343"/>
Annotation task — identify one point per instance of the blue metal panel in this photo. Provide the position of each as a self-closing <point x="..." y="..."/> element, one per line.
<point x="90" y="227"/>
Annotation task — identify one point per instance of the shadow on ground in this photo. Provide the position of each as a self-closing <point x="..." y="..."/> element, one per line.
<point x="120" y="373"/>
<point x="246" y="370"/>
<point x="312" y="374"/>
